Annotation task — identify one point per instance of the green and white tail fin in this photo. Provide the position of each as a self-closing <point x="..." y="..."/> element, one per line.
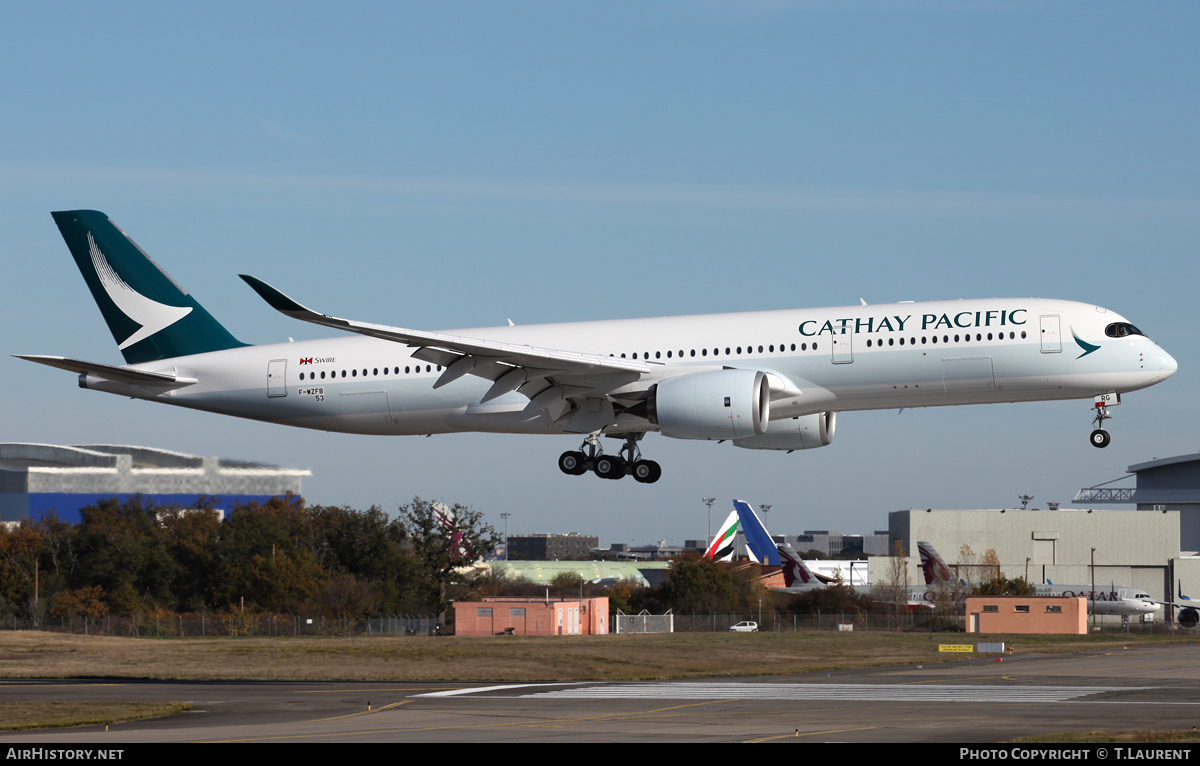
<point x="151" y="317"/>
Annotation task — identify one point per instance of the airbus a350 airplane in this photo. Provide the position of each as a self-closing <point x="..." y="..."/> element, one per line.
<point x="761" y="380"/>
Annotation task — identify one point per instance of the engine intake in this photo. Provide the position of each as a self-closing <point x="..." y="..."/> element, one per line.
<point x="722" y="404"/>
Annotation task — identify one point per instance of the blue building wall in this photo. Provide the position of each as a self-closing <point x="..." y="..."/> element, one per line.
<point x="15" y="506"/>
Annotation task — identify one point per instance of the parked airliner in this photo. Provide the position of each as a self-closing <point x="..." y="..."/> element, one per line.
<point x="1116" y="599"/>
<point x="760" y="380"/>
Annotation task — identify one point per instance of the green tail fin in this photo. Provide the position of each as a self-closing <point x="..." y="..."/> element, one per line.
<point x="151" y="317"/>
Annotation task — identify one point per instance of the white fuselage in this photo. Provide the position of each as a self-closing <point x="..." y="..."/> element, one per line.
<point x="841" y="359"/>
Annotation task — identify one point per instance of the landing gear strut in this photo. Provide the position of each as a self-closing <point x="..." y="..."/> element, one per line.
<point x="628" y="461"/>
<point x="1100" y="437"/>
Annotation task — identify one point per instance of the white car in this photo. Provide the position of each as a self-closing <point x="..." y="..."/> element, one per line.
<point x="744" y="627"/>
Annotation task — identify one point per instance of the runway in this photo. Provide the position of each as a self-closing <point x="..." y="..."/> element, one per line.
<point x="963" y="702"/>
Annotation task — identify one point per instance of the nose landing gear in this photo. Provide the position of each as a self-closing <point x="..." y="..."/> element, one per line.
<point x="628" y="462"/>
<point x="1100" y="437"/>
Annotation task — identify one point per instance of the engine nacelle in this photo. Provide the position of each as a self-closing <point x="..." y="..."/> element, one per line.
<point x="722" y="404"/>
<point x="804" y="432"/>
<point x="1188" y="617"/>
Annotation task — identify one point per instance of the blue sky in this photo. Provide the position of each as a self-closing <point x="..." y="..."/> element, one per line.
<point x="441" y="165"/>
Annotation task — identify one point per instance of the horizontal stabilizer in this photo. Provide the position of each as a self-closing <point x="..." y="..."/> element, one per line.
<point x="125" y="374"/>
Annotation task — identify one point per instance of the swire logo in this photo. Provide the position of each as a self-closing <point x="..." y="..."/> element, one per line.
<point x="317" y="359"/>
<point x="309" y="360"/>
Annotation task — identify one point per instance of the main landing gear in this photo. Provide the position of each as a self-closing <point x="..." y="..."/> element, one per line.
<point x="628" y="462"/>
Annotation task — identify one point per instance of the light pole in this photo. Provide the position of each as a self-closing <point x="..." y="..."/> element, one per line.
<point x="505" y="517"/>
<point x="709" y="502"/>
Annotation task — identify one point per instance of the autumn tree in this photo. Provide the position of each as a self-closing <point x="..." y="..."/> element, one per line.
<point x="696" y="584"/>
<point x="20" y="553"/>
<point x="445" y="541"/>
<point x="124" y="546"/>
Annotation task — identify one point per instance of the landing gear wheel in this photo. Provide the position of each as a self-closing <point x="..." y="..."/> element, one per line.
<point x="646" y="471"/>
<point x="1100" y="438"/>
<point x="610" y="467"/>
<point x="572" y="463"/>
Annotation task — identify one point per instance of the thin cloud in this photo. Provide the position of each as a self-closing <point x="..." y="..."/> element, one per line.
<point x="680" y="195"/>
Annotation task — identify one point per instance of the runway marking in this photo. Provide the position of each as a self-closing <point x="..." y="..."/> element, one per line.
<point x="459" y="692"/>
<point x="353" y="690"/>
<point x="856" y="692"/>
<point x="806" y="734"/>
<point x="361" y="712"/>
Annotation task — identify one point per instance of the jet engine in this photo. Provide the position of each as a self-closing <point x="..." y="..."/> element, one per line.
<point x="1188" y="617"/>
<point x="804" y="432"/>
<point x="721" y="404"/>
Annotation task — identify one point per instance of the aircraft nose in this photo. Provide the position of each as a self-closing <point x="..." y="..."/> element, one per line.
<point x="1167" y="363"/>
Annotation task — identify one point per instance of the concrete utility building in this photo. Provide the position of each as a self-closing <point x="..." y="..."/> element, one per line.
<point x="1132" y="548"/>
<point x="1027" y="614"/>
<point x="532" y="617"/>
<point x="38" y="479"/>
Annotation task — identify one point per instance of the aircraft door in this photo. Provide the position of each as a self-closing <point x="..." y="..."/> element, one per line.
<point x="276" y="377"/>
<point x="843" y="348"/>
<point x="1051" y="335"/>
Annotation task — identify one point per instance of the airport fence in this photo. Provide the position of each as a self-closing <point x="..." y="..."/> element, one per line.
<point x="256" y="624"/>
<point x="167" y="624"/>
<point x="926" y="620"/>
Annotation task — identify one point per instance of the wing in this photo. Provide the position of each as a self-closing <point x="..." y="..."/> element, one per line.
<point x="575" y="389"/>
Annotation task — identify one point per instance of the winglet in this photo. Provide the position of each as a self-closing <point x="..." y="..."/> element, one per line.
<point x="276" y="299"/>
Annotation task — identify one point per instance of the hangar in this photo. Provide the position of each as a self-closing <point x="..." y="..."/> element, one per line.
<point x="1170" y="483"/>
<point x="1065" y="546"/>
<point x="38" y="479"/>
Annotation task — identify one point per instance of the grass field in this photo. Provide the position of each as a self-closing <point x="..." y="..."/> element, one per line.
<point x="29" y="654"/>
<point x="52" y="715"/>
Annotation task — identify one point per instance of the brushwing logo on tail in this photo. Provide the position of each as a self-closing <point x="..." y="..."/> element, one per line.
<point x="151" y="315"/>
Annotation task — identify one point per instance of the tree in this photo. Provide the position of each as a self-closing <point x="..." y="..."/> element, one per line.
<point x="20" y="553"/>
<point x="893" y="588"/>
<point x="444" y="541"/>
<point x="125" y="544"/>
<point x="696" y="584"/>
<point x="566" y="584"/>
<point x="87" y="603"/>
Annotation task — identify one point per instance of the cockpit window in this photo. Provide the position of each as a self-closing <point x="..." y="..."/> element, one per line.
<point x="1121" y="329"/>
